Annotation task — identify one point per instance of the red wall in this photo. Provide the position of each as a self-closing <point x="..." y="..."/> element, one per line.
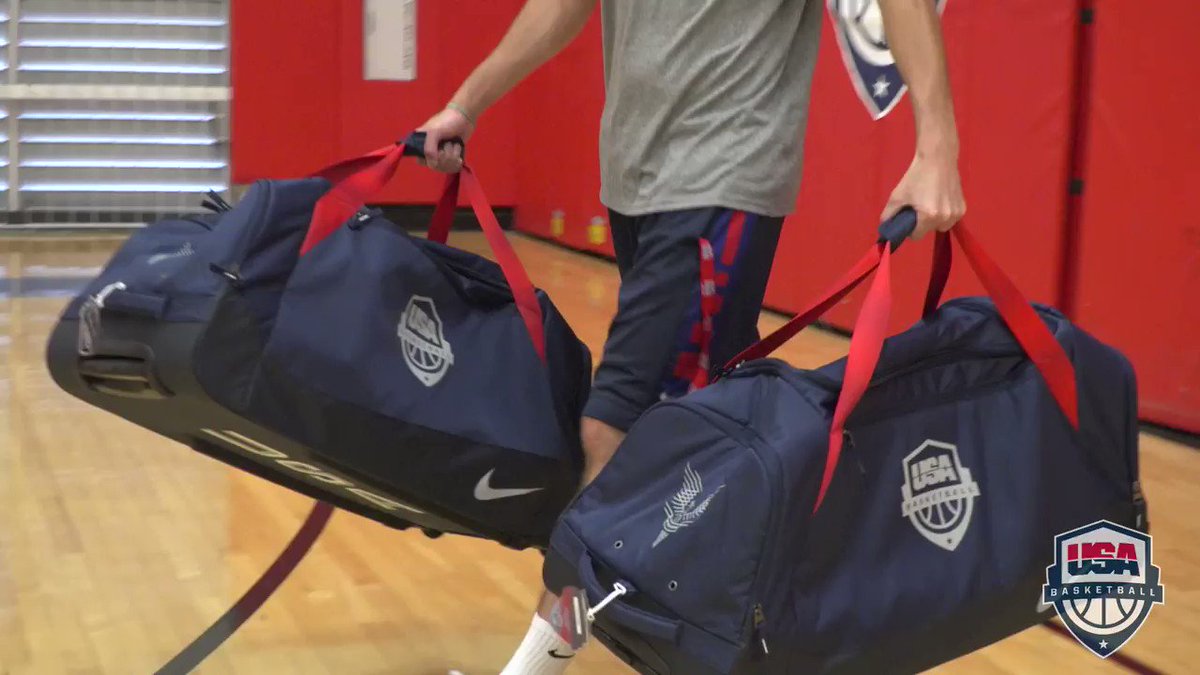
<point x="1011" y="67"/>
<point x="1138" y="284"/>
<point x="559" y="120"/>
<point x="300" y="101"/>
<point x="285" y="120"/>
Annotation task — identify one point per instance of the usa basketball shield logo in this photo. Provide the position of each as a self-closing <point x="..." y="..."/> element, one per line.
<point x="1103" y="584"/>
<point x="938" y="493"/>
<point x="858" y="25"/>
<point x="426" y="350"/>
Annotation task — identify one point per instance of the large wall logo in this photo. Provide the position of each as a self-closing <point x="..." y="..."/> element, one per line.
<point x="859" y="28"/>
<point x="939" y="493"/>
<point x="1103" y="584"/>
<point x="426" y="350"/>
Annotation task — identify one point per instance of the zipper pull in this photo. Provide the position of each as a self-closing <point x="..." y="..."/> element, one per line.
<point x="89" y="318"/>
<point x="231" y="276"/>
<point x="1141" y="520"/>
<point x="361" y="218"/>
<point x="216" y="202"/>
<point x="759" y="619"/>
<point x="619" y="589"/>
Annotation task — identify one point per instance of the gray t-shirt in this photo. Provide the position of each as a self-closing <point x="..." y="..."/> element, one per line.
<point x="706" y="103"/>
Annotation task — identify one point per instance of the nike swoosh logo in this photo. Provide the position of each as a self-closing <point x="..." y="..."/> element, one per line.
<point x="484" y="491"/>
<point x="555" y="655"/>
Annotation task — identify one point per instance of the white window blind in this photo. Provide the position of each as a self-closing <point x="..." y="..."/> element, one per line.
<point x="115" y="111"/>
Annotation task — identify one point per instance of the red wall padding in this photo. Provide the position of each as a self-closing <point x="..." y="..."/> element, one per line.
<point x="559" y="130"/>
<point x="1138" y="283"/>
<point x="300" y="101"/>
<point x="1011" y="67"/>
<point x="286" y="83"/>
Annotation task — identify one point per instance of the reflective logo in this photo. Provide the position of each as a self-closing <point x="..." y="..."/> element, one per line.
<point x="683" y="509"/>
<point x="183" y="252"/>
<point x="426" y="350"/>
<point x="939" y="494"/>
<point x="484" y="491"/>
<point x="304" y="469"/>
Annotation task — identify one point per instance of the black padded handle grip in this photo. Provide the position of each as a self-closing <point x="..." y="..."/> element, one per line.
<point x="899" y="227"/>
<point x="414" y="144"/>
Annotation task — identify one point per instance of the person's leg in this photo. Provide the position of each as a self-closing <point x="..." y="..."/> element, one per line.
<point x="623" y="230"/>
<point x="653" y="343"/>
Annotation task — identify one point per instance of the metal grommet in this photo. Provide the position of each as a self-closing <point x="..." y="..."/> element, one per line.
<point x="618" y="544"/>
<point x="673" y="585"/>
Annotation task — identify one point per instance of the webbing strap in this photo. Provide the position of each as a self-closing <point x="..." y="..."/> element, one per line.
<point x="870" y="331"/>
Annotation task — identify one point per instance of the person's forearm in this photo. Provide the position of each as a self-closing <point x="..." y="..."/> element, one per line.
<point x="541" y="30"/>
<point x="915" y="37"/>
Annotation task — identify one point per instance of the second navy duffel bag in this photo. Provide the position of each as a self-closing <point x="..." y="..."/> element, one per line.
<point x="882" y="514"/>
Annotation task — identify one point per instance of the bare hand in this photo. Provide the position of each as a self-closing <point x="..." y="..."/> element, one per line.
<point x="933" y="188"/>
<point x="446" y="124"/>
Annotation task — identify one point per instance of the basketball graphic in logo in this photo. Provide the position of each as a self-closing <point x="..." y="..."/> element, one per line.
<point x="426" y="350"/>
<point x="938" y="493"/>
<point x="858" y="25"/>
<point x="1103" y="584"/>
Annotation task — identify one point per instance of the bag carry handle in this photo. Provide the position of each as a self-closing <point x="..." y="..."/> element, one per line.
<point x="357" y="180"/>
<point x="627" y="615"/>
<point x="361" y="178"/>
<point x="871" y="328"/>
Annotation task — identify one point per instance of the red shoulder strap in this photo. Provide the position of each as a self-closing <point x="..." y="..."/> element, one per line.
<point x="1026" y="326"/>
<point x="865" y="346"/>
<point x="350" y="193"/>
<point x="870" y="330"/>
<point x="514" y="272"/>
<point x="840" y="288"/>
<point x="443" y="214"/>
<point x="365" y="176"/>
<point x="939" y="273"/>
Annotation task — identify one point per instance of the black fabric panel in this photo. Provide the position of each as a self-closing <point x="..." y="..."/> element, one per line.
<point x="414" y="464"/>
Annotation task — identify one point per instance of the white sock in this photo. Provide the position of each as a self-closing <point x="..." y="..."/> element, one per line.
<point x="542" y="652"/>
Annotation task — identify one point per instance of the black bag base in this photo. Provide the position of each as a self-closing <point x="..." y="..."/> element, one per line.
<point x="142" y="371"/>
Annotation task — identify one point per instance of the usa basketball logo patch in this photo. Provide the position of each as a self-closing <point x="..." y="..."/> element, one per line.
<point x="938" y="493"/>
<point x="1102" y="584"/>
<point x="426" y="350"/>
<point x="858" y="25"/>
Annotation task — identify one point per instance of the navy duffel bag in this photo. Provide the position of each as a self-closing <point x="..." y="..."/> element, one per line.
<point x="308" y="340"/>
<point x="884" y="513"/>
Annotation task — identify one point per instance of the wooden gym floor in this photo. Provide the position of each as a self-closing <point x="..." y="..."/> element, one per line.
<point x="117" y="547"/>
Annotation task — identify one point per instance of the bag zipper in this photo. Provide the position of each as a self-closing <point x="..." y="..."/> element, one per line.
<point x="232" y="272"/>
<point x="787" y="372"/>
<point x="216" y="203"/>
<point x="760" y="618"/>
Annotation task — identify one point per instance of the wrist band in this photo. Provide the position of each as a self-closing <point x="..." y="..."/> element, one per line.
<point x="460" y="110"/>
